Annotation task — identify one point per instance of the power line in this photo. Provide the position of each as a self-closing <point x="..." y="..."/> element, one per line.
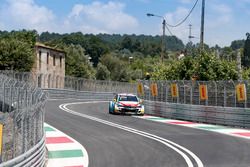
<point x="169" y="30"/>
<point x="185" y="17"/>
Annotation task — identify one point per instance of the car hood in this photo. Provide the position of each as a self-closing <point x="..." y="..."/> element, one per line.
<point x="128" y="103"/>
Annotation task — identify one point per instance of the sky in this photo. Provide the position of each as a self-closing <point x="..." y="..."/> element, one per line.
<point x="225" y="20"/>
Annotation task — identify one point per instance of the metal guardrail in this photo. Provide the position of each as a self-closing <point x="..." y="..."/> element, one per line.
<point x="229" y="116"/>
<point x="73" y="94"/>
<point x="32" y="158"/>
<point x="22" y="117"/>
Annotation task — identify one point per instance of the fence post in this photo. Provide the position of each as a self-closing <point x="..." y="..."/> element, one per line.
<point x="225" y="95"/>
<point x="184" y="92"/>
<point x="235" y="100"/>
<point x="191" y="92"/>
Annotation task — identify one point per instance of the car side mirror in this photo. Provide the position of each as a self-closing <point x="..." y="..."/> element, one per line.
<point x="140" y="101"/>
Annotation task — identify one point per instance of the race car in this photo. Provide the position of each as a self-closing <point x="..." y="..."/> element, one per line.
<point x="126" y="104"/>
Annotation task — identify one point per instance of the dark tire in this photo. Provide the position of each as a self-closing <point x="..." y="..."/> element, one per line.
<point x="110" y="108"/>
<point x="110" y="112"/>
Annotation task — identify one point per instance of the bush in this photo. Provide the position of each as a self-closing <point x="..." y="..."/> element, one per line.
<point x="206" y="67"/>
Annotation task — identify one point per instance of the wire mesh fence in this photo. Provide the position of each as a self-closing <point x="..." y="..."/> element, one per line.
<point x="216" y="93"/>
<point x="21" y="114"/>
<point x="47" y="81"/>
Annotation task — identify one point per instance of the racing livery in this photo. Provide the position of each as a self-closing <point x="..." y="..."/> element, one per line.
<point x="126" y="104"/>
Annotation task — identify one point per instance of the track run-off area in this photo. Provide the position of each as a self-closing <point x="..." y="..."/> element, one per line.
<point x="119" y="140"/>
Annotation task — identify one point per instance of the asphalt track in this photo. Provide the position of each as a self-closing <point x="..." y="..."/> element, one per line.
<point x="125" y="141"/>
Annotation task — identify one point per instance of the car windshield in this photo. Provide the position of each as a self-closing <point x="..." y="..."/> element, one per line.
<point x="128" y="98"/>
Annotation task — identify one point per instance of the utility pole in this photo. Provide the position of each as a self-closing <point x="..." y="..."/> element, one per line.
<point x="163" y="43"/>
<point x="202" y="25"/>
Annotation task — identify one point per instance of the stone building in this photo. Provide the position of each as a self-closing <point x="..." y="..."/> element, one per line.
<point x="50" y="66"/>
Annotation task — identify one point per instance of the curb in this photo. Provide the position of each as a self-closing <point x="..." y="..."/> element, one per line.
<point x="236" y="132"/>
<point x="64" y="151"/>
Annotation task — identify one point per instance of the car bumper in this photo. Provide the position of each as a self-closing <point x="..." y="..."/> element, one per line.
<point x="129" y="110"/>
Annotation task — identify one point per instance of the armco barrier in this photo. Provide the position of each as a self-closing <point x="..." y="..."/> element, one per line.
<point x="230" y="116"/>
<point x="73" y="94"/>
<point x="35" y="157"/>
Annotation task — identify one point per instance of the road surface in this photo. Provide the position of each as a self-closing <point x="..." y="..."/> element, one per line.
<point x="125" y="141"/>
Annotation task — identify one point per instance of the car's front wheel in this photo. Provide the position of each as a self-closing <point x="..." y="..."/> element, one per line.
<point x="111" y="108"/>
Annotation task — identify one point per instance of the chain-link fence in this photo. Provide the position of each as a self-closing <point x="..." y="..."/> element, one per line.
<point x="22" y="117"/>
<point x="47" y="81"/>
<point x="217" y="93"/>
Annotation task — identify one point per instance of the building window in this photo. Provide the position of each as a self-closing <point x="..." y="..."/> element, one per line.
<point x="60" y="61"/>
<point x="54" y="60"/>
<point x="40" y="60"/>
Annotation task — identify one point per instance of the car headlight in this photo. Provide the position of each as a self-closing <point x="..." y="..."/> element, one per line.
<point x="119" y="105"/>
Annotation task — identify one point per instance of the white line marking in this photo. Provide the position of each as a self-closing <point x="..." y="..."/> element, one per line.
<point x="166" y="142"/>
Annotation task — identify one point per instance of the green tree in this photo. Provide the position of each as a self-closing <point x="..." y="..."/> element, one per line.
<point x="166" y="72"/>
<point x="209" y="67"/>
<point x="206" y="67"/>
<point x="136" y="46"/>
<point x="17" y="50"/>
<point x="127" y="43"/>
<point x="246" y="74"/>
<point x="118" y="68"/>
<point x="77" y="62"/>
<point x="102" y="72"/>
<point x="237" y="44"/>
<point x="246" y="54"/>
<point x="227" y="53"/>
<point x="186" y="68"/>
<point x="95" y="48"/>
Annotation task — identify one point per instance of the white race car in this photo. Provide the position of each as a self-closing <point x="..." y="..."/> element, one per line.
<point x="126" y="104"/>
